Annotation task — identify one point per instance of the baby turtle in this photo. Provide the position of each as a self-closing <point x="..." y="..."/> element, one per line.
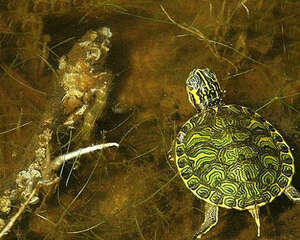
<point x="230" y="156"/>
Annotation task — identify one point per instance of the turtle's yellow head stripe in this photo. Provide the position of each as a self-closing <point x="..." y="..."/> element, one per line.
<point x="203" y="89"/>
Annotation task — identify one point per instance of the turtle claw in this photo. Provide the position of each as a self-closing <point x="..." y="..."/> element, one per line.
<point x="170" y="156"/>
<point x="197" y="236"/>
<point x="170" y="153"/>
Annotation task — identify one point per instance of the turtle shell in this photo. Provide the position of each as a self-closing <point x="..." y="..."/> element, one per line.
<point x="231" y="157"/>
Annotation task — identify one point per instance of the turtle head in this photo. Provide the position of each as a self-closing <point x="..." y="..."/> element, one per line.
<point x="203" y="89"/>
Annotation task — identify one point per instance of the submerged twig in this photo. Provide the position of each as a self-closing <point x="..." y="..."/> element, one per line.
<point x="157" y="191"/>
<point x="15" y="128"/>
<point x="84" y="87"/>
<point x="86" y="229"/>
<point x="280" y="99"/>
<point x="238" y="74"/>
<point x="14" y="218"/>
<point x="57" y="162"/>
<point x="15" y="77"/>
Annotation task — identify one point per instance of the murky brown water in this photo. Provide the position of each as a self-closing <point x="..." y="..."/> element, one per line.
<point x="134" y="193"/>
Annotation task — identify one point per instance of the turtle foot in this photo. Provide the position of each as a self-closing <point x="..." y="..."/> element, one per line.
<point x="292" y="193"/>
<point x="210" y="220"/>
<point x="255" y="214"/>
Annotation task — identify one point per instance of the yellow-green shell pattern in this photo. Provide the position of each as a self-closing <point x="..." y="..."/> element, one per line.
<point x="231" y="157"/>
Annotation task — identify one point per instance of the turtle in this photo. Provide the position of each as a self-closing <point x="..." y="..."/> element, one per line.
<point x="230" y="156"/>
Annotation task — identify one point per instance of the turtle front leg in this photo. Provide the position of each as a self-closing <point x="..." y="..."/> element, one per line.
<point x="292" y="193"/>
<point x="255" y="214"/>
<point x="210" y="220"/>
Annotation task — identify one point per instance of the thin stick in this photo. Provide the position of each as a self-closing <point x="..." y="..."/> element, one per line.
<point x="15" y="128"/>
<point x="87" y="229"/>
<point x="277" y="98"/>
<point x="157" y="191"/>
<point x="238" y="74"/>
<point x="57" y="162"/>
<point x="199" y="35"/>
<point x="14" y="218"/>
<point x="77" y="195"/>
<point x="15" y="77"/>
<point x="139" y="229"/>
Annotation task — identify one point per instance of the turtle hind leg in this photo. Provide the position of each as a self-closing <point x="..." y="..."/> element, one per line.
<point x="255" y="214"/>
<point x="292" y="193"/>
<point x="210" y="220"/>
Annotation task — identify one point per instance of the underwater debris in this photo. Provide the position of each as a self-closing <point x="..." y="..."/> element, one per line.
<point x="84" y="78"/>
<point x="85" y="86"/>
